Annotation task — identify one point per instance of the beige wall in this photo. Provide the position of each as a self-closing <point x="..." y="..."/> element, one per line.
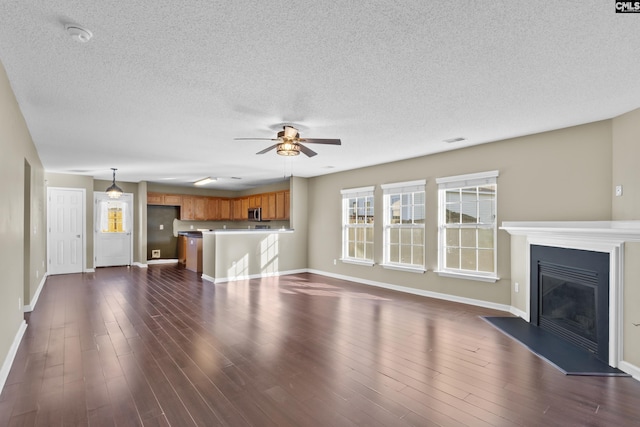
<point x="626" y="169"/>
<point x="559" y="175"/>
<point x="22" y="221"/>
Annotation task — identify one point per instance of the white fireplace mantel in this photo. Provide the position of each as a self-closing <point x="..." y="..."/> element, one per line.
<point x="622" y="231"/>
<point x="599" y="236"/>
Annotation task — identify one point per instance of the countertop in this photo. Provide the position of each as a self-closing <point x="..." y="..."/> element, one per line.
<point x="198" y="234"/>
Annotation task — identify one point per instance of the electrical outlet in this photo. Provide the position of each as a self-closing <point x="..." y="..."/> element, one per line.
<point x="155" y="253"/>
<point x="161" y="226"/>
<point x="37" y="274"/>
<point x="191" y="227"/>
<point x="335" y="261"/>
<point x="19" y="303"/>
<point x="517" y="287"/>
<point x="618" y="190"/>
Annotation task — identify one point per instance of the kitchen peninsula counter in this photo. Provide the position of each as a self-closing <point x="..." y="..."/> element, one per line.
<point x="240" y="254"/>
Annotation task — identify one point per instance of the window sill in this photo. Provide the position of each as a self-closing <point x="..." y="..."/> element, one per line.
<point x="467" y="276"/>
<point x="404" y="268"/>
<point x="357" y="262"/>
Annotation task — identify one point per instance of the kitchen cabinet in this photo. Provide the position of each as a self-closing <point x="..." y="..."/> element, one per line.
<point x="186" y="212"/>
<point x="154" y="199"/>
<point x="269" y="206"/>
<point x="275" y="205"/>
<point x="172" y="199"/>
<point x="182" y="250"/>
<point x="255" y="201"/>
<point x="194" y="208"/>
<point x="225" y="209"/>
<point x="200" y="208"/>
<point x="164" y="199"/>
<point x="213" y="208"/>
<point x="194" y="254"/>
<point x="280" y="205"/>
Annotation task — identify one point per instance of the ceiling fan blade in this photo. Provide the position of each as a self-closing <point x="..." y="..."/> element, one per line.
<point x="309" y="152"/>
<point x="267" y="149"/>
<point x="255" y="139"/>
<point x="321" y="141"/>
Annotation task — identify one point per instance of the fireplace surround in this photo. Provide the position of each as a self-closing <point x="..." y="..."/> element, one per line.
<point x="607" y="237"/>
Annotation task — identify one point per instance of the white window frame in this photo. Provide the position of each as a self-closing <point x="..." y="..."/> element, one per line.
<point x="459" y="182"/>
<point x="399" y="188"/>
<point x="368" y="211"/>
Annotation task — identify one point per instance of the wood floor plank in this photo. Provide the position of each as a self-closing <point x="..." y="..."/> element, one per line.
<point x="161" y="347"/>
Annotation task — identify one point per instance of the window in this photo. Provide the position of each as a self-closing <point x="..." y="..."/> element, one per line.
<point x="467" y="226"/>
<point x="404" y="215"/>
<point x="357" y="225"/>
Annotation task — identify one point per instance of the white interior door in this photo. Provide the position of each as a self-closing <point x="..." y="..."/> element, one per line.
<point x="113" y="225"/>
<point x="65" y="228"/>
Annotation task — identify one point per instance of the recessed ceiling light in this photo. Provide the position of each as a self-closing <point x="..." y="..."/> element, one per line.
<point x="458" y="139"/>
<point x="78" y="33"/>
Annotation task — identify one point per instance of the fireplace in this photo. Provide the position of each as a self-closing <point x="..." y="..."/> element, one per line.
<point x="570" y="296"/>
<point x="607" y="237"/>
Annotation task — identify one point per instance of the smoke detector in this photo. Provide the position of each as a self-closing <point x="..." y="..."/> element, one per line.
<point x="78" y="33"/>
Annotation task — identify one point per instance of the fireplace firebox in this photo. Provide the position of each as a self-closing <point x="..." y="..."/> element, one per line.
<point x="570" y="296"/>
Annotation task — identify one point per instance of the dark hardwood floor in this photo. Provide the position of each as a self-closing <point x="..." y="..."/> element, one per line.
<point x="159" y="347"/>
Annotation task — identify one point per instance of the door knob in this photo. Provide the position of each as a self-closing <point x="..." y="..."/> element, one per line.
<point x="78" y="236"/>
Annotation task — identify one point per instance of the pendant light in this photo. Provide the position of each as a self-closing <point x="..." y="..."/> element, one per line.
<point x="114" y="191"/>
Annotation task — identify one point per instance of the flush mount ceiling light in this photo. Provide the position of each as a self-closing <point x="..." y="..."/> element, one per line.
<point x="205" y="181"/>
<point x="114" y="191"/>
<point x="78" y="33"/>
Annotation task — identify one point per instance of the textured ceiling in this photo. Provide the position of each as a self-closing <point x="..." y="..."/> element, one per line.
<point x="164" y="86"/>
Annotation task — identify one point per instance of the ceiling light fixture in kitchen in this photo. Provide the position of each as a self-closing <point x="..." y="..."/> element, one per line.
<point x="205" y="181"/>
<point x="114" y="191"/>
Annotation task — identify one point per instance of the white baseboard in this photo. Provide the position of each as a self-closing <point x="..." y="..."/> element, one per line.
<point x="29" y="307"/>
<point x="8" y="361"/>
<point x="421" y="292"/>
<point x="89" y="270"/>
<point x="251" y="276"/>
<point x="630" y="369"/>
<point x="161" y="261"/>
<point x="140" y="265"/>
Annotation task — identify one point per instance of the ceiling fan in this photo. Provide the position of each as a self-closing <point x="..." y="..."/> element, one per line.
<point x="290" y="144"/>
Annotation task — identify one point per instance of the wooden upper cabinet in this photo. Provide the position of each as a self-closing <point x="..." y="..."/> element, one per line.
<point x="255" y="201"/>
<point x="172" y="199"/>
<point x="200" y="208"/>
<point x="269" y="206"/>
<point x="164" y="199"/>
<point x="225" y="209"/>
<point x="187" y="210"/>
<point x="213" y="208"/>
<point x="280" y="205"/>
<point x="154" y="198"/>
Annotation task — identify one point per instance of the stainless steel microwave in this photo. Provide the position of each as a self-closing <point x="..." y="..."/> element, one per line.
<point x="255" y="214"/>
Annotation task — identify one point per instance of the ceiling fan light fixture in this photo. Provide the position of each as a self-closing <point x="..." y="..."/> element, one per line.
<point x="114" y="191"/>
<point x="288" y="148"/>
<point x="205" y="181"/>
<point x="290" y="132"/>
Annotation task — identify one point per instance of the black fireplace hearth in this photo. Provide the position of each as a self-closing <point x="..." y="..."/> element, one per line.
<point x="570" y="296"/>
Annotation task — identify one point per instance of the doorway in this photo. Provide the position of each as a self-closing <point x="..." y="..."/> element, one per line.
<point x="113" y="226"/>
<point x="65" y="230"/>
